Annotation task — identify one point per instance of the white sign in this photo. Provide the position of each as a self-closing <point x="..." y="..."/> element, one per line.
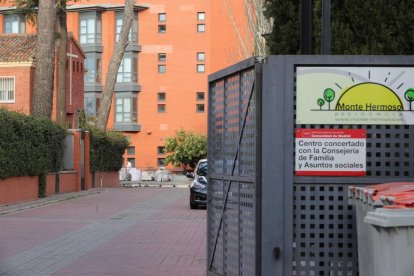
<point x="330" y="152"/>
<point x="369" y="95"/>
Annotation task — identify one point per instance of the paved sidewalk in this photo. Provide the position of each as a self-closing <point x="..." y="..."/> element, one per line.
<point x="5" y="209"/>
<point x="121" y="231"/>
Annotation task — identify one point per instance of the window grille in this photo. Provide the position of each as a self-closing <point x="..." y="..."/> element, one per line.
<point x="7" y="89"/>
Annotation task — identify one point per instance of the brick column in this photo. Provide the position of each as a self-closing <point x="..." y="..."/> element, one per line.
<point x="77" y="157"/>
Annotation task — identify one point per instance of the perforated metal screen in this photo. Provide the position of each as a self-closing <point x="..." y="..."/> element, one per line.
<point x="324" y="231"/>
<point x="231" y="159"/>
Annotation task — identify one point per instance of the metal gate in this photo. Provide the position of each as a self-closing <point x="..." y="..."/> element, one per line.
<point x="232" y="160"/>
<point x="262" y="219"/>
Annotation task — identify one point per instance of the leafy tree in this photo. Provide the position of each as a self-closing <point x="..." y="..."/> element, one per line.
<point x="185" y="149"/>
<point x="357" y="27"/>
<point x="284" y="38"/>
<point x="329" y="96"/>
<point x="409" y="96"/>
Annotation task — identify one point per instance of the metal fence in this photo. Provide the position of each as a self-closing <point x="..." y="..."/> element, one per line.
<point x="262" y="219"/>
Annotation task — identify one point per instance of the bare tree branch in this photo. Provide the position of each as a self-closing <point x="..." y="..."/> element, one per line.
<point x="257" y="26"/>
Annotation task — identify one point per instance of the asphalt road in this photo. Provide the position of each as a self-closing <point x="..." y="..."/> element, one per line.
<point x="125" y="231"/>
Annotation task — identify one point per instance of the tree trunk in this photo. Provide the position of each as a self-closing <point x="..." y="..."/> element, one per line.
<point x="106" y="99"/>
<point x="62" y="50"/>
<point x="45" y="57"/>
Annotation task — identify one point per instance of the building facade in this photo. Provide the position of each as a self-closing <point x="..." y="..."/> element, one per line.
<point x="17" y="73"/>
<point x="162" y="81"/>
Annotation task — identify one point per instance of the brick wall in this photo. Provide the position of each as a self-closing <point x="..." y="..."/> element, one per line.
<point x="50" y="184"/>
<point x="18" y="189"/>
<point x="67" y="182"/>
<point x="77" y="73"/>
<point x="24" y="80"/>
<point x="109" y="179"/>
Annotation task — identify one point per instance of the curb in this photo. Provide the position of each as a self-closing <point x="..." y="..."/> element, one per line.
<point x="7" y="209"/>
<point x="14" y="207"/>
<point x="135" y="184"/>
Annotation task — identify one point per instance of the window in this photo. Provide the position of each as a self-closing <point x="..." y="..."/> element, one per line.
<point x="201" y="16"/>
<point x="161" y="162"/>
<point x="162" y="69"/>
<point x="201" y="28"/>
<point x="162" y="29"/>
<point x="128" y="69"/>
<point x="130" y="150"/>
<point x="14" y="23"/>
<point x="162" y="17"/>
<point x="90" y="28"/>
<point x="7" y="89"/>
<point x="201" y="68"/>
<point x="200" y="96"/>
<point x="201" y="56"/>
<point x="161" y="96"/>
<point x="133" y="32"/>
<point x="200" y="108"/>
<point x="126" y="110"/>
<point x="161" y="108"/>
<point x="93" y="67"/>
<point x="160" y="150"/>
<point x="132" y="161"/>
<point x="91" y="105"/>
<point x="162" y="57"/>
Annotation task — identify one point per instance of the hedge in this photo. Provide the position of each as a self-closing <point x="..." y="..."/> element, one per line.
<point x="29" y="146"/>
<point x="106" y="150"/>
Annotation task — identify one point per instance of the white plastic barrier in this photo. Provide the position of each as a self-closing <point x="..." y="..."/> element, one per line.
<point x="135" y="174"/>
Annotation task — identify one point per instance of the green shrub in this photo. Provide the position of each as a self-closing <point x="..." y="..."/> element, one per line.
<point x="107" y="149"/>
<point x="29" y="146"/>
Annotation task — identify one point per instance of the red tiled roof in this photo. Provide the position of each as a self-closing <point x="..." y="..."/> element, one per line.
<point x="17" y="47"/>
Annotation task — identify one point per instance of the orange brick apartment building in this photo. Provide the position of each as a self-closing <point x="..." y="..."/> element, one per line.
<point x="162" y="81"/>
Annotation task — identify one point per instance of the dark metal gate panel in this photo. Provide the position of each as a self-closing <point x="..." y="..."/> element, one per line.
<point x="232" y="156"/>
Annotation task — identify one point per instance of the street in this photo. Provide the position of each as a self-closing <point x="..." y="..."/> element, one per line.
<point x="125" y="231"/>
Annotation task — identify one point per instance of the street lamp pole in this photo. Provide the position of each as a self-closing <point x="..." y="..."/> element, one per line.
<point x="326" y="27"/>
<point x="305" y="27"/>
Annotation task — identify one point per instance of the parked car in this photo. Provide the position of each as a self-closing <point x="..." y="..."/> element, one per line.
<point x="198" y="187"/>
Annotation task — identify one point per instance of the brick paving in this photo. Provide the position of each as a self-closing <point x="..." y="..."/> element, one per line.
<point x="125" y="231"/>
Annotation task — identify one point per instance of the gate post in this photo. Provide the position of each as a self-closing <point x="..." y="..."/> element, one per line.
<point x="81" y="157"/>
